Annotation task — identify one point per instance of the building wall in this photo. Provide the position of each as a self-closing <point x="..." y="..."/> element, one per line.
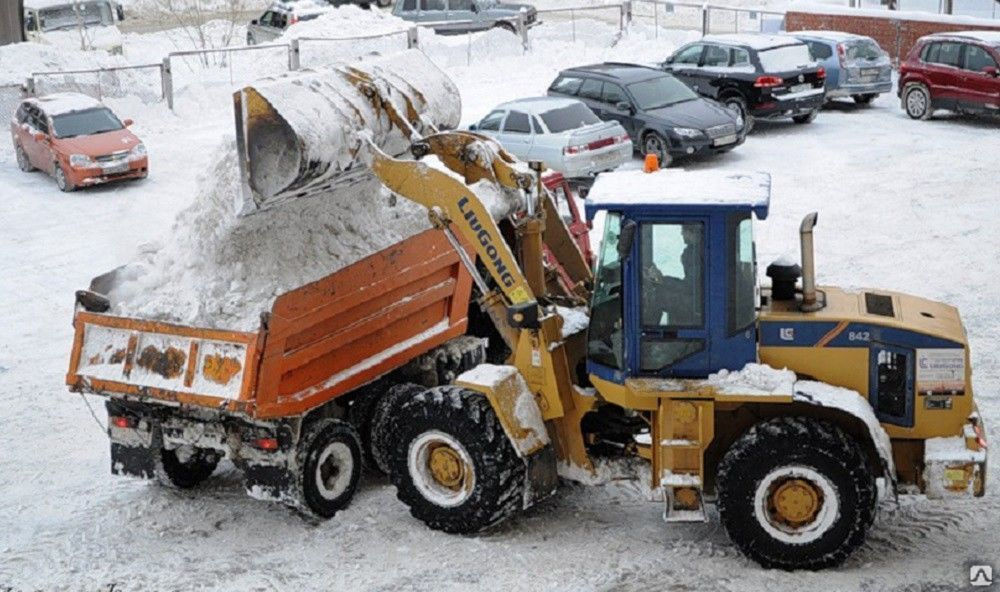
<point x="11" y="27"/>
<point x="895" y="35"/>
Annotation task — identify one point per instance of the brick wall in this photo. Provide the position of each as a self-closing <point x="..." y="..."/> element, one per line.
<point x="894" y="34"/>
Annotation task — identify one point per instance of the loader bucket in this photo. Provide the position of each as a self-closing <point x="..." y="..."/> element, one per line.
<point x="301" y="134"/>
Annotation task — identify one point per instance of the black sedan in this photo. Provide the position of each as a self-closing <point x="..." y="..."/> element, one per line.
<point x="763" y="76"/>
<point x="661" y="114"/>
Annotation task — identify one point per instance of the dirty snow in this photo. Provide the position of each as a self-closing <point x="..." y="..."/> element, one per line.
<point x="906" y="205"/>
<point x="575" y="319"/>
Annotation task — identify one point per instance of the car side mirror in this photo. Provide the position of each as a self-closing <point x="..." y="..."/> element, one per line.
<point x="991" y="71"/>
<point x="128" y="123"/>
<point x="39" y="137"/>
<point x="473" y="127"/>
<point x="253" y="22"/>
<point x="625" y="239"/>
<point x="475" y="8"/>
<point x="624" y="106"/>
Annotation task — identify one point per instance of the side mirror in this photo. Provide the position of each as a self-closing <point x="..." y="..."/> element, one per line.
<point x="625" y="239"/>
<point x="39" y="137"/>
<point x="473" y="127"/>
<point x="475" y="8"/>
<point x="127" y="122"/>
<point x="253" y="22"/>
<point x="991" y="71"/>
<point x="623" y="106"/>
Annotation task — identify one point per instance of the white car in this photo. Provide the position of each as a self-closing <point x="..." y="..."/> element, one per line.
<point x="281" y="15"/>
<point x="563" y="133"/>
<point x="74" y="24"/>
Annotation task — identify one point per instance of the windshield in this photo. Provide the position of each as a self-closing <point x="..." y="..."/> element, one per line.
<point x="785" y="58"/>
<point x="84" y="123"/>
<point x="569" y="117"/>
<point x="605" y="340"/>
<point x="863" y="50"/>
<point x="660" y="92"/>
<point x="68" y="16"/>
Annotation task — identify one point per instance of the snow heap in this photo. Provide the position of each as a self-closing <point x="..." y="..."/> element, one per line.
<point x="221" y="270"/>
<point x="753" y="379"/>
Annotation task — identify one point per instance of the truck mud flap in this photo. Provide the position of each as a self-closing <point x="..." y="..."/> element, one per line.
<point x="541" y="477"/>
<point x="270" y="483"/>
<point x="132" y="461"/>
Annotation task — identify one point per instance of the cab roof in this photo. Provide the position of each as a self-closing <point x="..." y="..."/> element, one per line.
<point x="672" y="191"/>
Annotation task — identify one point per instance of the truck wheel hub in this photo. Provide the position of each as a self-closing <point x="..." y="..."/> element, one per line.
<point x="441" y="469"/>
<point x="796" y="504"/>
<point x="446" y="466"/>
<point x="796" y="501"/>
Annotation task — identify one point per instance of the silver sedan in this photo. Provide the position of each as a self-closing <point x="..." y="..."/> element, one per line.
<point x="563" y="133"/>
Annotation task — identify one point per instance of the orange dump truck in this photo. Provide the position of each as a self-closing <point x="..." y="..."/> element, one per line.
<point x="292" y="404"/>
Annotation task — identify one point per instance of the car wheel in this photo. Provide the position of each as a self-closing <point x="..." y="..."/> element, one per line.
<point x="62" y="181"/>
<point x="864" y="99"/>
<point x="917" y="102"/>
<point x="23" y="162"/>
<point x="807" y="118"/>
<point x="504" y="25"/>
<point x="329" y="460"/>
<point x="737" y="103"/>
<point x="654" y="143"/>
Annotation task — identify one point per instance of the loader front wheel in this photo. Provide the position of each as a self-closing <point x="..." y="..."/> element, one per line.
<point x="329" y="461"/>
<point x="186" y="467"/>
<point x="453" y="465"/>
<point x="796" y="493"/>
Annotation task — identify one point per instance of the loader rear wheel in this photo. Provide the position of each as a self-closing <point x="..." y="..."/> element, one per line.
<point x="796" y="493"/>
<point x="454" y="466"/>
<point x="329" y="461"/>
<point x="186" y="467"/>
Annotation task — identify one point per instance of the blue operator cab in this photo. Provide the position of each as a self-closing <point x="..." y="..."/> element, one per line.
<point x="675" y="287"/>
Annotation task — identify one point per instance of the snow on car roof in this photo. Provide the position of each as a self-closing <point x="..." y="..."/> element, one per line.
<point x="990" y="37"/>
<point x="680" y="188"/>
<point x="39" y="4"/>
<point x="67" y="102"/>
<point x="831" y="35"/>
<point x="753" y="41"/>
<point x="537" y="105"/>
<point x="302" y="7"/>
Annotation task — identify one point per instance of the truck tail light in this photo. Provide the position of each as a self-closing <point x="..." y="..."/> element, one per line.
<point x="120" y="421"/>
<point x="266" y="443"/>
<point x="768" y="81"/>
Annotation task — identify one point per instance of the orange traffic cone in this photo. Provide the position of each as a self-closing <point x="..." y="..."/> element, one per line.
<point x="652" y="163"/>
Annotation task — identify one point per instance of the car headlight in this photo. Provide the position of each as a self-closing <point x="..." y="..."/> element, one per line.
<point x="81" y="161"/>
<point x="687" y="132"/>
<point x="137" y="152"/>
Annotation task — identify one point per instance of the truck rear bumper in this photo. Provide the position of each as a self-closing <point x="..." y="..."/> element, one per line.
<point x="954" y="469"/>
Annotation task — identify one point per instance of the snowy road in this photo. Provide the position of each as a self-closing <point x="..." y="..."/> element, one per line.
<point x="904" y="205"/>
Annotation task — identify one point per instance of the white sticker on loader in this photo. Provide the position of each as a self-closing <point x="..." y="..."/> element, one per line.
<point x="940" y="371"/>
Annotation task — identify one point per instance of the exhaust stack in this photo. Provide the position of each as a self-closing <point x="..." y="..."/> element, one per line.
<point x="809" y="300"/>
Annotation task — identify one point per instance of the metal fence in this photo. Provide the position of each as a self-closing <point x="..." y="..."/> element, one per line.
<point x="621" y="12"/>
<point x="147" y="81"/>
<point x="316" y="50"/>
<point x="227" y="64"/>
<point x="707" y="18"/>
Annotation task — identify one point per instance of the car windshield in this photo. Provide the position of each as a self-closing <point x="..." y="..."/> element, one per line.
<point x="785" y="58"/>
<point x="569" y="117"/>
<point x="84" y="123"/>
<point x="660" y="92"/>
<point x="68" y="16"/>
<point x="863" y="50"/>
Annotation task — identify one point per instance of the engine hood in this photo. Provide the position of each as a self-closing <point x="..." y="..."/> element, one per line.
<point x="99" y="144"/>
<point x="698" y="113"/>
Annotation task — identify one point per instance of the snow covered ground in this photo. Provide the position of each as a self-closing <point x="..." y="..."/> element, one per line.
<point x="904" y="205"/>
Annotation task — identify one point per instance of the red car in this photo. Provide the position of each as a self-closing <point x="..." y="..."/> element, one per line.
<point x="954" y="71"/>
<point x="77" y="140"/>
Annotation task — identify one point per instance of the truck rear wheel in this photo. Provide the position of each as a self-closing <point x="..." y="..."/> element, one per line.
<point x="453" y="465"/>
<point x="329" y="461"/>
<point x="382" y="437"/>
<point x="796" y="493"/>
<point x="186" y="467"/>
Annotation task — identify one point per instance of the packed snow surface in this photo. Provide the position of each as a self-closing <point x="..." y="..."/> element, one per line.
<point x="62" y="103"/>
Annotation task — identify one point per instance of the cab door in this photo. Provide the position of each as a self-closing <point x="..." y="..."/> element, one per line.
<point x="669" y="310"/>
<point x="890" y="388"/>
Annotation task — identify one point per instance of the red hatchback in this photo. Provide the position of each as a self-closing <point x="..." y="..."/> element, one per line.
<point x="77" y="140"/>
<point x="955" y="71"/>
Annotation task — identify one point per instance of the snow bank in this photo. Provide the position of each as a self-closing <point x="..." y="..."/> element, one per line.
<point x="753" y="379"/>
<point x="220" y="270"/>
<point x="574" y="319"/>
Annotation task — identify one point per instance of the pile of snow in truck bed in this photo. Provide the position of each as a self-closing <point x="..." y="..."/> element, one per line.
<point x="220" y="270"/>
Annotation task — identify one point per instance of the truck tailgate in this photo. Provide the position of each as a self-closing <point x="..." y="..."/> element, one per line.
<point x="205" y="367"/>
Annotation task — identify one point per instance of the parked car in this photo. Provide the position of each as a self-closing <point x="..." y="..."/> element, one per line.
<point x="74" y="25"/>
<point x="855" y="65"/>
<point x="563" y="133"/>
<point x="77" y="140"/>
<point x="660" y="113"/>
<point x="281" y="15"/>
<point x="761" y="76"/>
<point x="463" y="16"/>
<point x="955" y="71"/>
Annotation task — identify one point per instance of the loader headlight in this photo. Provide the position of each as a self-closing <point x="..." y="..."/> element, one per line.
<point x="137" y="152"/>
<point x="81" y="161"/>
<point x="687" y="132"/>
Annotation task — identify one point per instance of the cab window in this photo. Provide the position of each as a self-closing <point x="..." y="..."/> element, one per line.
<point x="605" y="337"/>
<point x="613" y="94"/>
<point x="591" y="89"/>
<point x="432" y="5"/>
<point x="741" y="57"/>
<point x="716" y="56"/>
<point x="567" y="85"/>
<point x="742" y="274"/>
<point x="691" y="55"/>
<point x="517" y="123"/>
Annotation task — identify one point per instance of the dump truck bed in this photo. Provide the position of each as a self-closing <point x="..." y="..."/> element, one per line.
<point x="316" y="343"/>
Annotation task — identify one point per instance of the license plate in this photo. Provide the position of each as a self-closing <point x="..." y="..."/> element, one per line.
<point x="724" y="140"/>
<point x="606" y="157"/>
<point x="867" y="78"/>
<point x="112" y="169"/>
<point x="869" y="72"/>
<point x="800" y="88"/>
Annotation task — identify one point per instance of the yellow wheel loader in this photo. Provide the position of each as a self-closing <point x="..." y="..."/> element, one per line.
<point x="794" y="408"/>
